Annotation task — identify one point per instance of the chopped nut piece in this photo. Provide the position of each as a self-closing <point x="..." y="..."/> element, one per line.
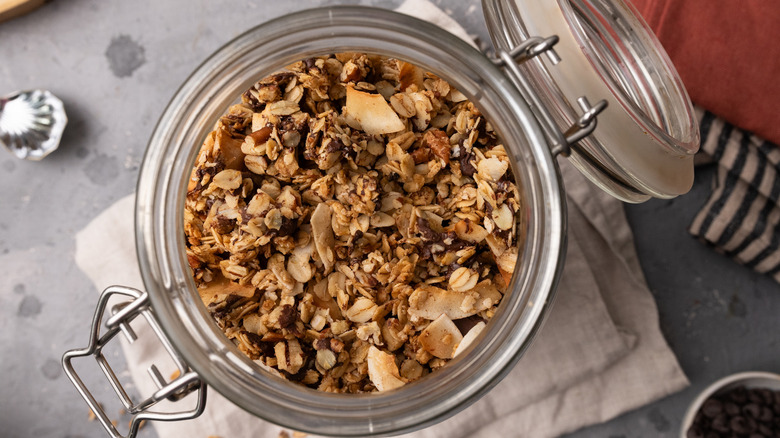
<point x="326" y="359"/>
<point x="439" y="143"/>
<point x="503" y="217"/>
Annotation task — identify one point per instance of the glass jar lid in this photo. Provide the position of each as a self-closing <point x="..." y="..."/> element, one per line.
<point x="647" y="134"/>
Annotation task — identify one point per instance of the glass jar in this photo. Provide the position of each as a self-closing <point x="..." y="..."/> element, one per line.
<point x="502" y="88"/>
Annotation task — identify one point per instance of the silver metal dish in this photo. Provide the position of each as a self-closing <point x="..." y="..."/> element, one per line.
<point x="31" y="123"/>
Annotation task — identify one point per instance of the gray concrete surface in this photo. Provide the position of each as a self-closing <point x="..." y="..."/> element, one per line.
<point x="116" y="65"/>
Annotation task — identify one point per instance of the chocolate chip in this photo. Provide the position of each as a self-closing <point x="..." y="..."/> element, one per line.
<point x="425" y="230"/>
<point x="766" y="414"/>
<point x="322" y="344"/>
<point x="738" y="424"/>
<point x="712" y="408"/>
<point x="287" y="316"/>
<point x="288" y="227"/>
<point x="466" y="168"/>
<point x="731" y="408"/>
<point x="752" y="410"/>
<point x="721" y="423"/>
<point x="754" y="395"/>
<point x="266" y="348"/>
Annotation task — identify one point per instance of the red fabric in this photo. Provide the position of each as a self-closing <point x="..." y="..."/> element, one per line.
<point x="728" y="55"/>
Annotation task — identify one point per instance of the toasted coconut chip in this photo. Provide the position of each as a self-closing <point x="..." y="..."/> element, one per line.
<point x="322" y="231"/>
<point x="429" y="302"/>
<point x="222" y="286"/>
<point x="441" y="337"/>
<point x="382" y="370"/>
<point x="372" y="112"/>
<point x="469" y="338"/>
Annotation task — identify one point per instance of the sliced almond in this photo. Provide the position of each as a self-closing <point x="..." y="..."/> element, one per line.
<point x="326" y="359"/>
<point x="441" y="337"/>
<point x="506" y="264"/>
<point x="298" y="264"/>
<point x="470" y="231"/>
<point x="382" y="370"/>
<point x="469" y="338"/>
<point x="503" y="217"/>
<point x="276" y="265"/>
<point x="380" y="220"/>
<point x="492" y="168"/>
<point x="392" y="333"/>
<point x="361" y="311"/>
<point x="322" y="231"/>
<point x="372" y="112"/>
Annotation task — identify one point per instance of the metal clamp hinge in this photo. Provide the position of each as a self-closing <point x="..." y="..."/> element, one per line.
<point x="561" y="140"/>
<point x="179" y="387"/>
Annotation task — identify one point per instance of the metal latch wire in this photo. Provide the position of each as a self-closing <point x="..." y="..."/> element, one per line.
<point x="561" y="140"/>
<point x="187" y="382"/>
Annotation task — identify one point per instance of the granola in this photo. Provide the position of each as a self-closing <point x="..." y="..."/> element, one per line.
<point x="352" y="223"/>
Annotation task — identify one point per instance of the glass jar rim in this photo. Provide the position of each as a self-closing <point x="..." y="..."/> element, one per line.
<point x="159" y="214"/>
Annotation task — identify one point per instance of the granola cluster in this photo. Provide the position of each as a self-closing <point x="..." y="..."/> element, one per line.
<point x="353" y="223"/>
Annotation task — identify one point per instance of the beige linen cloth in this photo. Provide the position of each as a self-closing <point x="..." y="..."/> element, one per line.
<point x="600" y="353"/>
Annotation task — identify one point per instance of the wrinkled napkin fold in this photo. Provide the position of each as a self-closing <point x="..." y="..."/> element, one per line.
<point x="600" y="353"/>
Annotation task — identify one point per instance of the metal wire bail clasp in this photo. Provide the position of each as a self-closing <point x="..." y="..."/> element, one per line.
<point x="561" y="139"/>
<point x="122" y="314"/>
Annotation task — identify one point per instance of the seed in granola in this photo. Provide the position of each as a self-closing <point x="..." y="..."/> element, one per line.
<point x="326" y="359"/>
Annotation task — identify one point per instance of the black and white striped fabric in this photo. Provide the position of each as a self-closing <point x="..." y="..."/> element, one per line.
<point x="741" y="218"/>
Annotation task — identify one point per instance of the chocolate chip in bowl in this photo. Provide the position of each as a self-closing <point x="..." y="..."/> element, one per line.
<point x="741" y="405"/>
<point x="345" y="216"/>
